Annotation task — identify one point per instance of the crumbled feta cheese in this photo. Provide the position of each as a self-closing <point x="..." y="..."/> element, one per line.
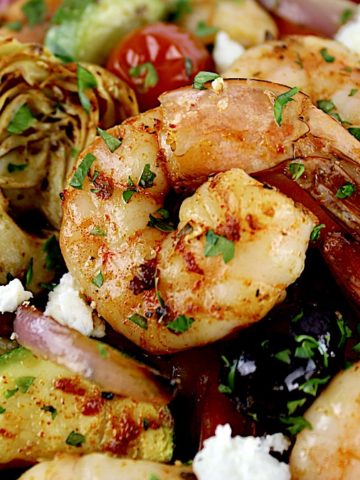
<point x="226" y="51"/>
<point x="218" y="85"/>
<point x="349" y="34"/>
<point x="12" y="295"/>
<point x="67" y="307"/>
<point x="241" y="458"/>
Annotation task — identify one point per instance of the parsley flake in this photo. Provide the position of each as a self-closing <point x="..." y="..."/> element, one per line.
<point x="217" y="245"/>
<point x="355" y="132"/>
<point x="311" y="386"/>
<point x="204" y="30"/>
<point x="326" y="55"/>
<point x="111" y="142"/>
<point x="85" y="81"/>
<point x="24" y="383"/>
<point x="353" y="92"/>
<point x="281" y="101"/>
<point x="284" y="356"/>
<point x="307" y="348"/>
<point x="82" y="170"/>
<point x="230" y="387"/>
<point x="147" y="177"/>
<point x="2" y="410"/>
<point x="139" y="320"/>
<point x="53" y="257"/>
<point x="14" y="26"/>
<point x="16" y="167"/>
<point x="127" y="194"/>
<point x="295" y="424"/>
<point x="204" y="77"/>
<point x="181" y="8"/>
<point x="153" y="477"/>
<point x="97" y="232"/>
<point x="34" y="11"/>
<point x="98" y="280"/>
<point x="148" y="72"/>
<point x="52" y="410"/>
<point x="345" y="331"/>
<point x="162" y="222"/>
<point x="75" y="439"/>
<point x="29" y="272"/>
<point x="181" y="324"/>
<point x="296" y="170"/>
<point x="293" y="405"/>
<point x="10" y="393"/>
<point x="21" y="121"/>
<point x="102" y="350"/>
<point x="316" y="231"/>
<point x="346" y="15"/>
<point x="346" y="190"/>
<point x="325" y="105"/>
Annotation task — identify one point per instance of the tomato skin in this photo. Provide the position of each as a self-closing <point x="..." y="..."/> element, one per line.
<point x="166" y="47"/>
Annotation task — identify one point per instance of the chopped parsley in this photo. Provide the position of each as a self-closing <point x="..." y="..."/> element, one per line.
<point x="147" y="177"/>
<point x="111" y="142"/>
<point x="34" y="11"/>
<point x="148" y="72"/>
<point x="281" y="101"/>
<point x="85" y="81"/>
<point x="102" y="350"/>
<point x="2" y="410"/>
<point x="24" y="383"/>
<point x="326" y="55"/>
<point x="181" y="324"/>
<point x="181" y="8"/>
<point x="326" y="106"/>
<point x="139" y="320"/>
<point x="217" y="245"/>
<point x="230" y="386"/>
<point x="356" y="348"/>
<point x="203" y="77"/>
<point x="284" y="356"/>
<point x="153" y="477"/>
<point x="127" y="194"/>
<point x="311" y="386"/>
<point x="293" y="405"/>
<point x="10" y="393"/>
<point x="204" y="30"/>
<point x="53" y="257"/>
<point x="346" y="15"/>
<point x="298" y="316"/>
<point x="162" y="222"/>
<point x="21" y="121"/>
<point x="355" y="132"/>
<point x="345" y="331"/>
<point x="16" y="167"/>
<point x="29" y="272"/>
<point x="295" y="424"/>
<point x="307" y="348"/>
<point x="353" y="92"/>
<point x="97" y="232"/>
<point x="52" y="410"/>
<point x="14" y="26"/>
<point x="346" y="190"/>
<point x="98" y="280"/>
<point x="296" y="170"/>
<point x="82" y="170"/>
<point x="75" y="439"/>
<point x="316" y="231"/>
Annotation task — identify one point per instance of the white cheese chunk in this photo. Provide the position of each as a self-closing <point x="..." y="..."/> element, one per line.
<point x="349" y="34"/>
<point x="241" y="458"/>
<point x="12" y="295"/>
<point x="226" y="51"/>
<point x="67" y="307"/>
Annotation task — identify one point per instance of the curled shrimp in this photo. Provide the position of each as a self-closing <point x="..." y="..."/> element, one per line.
<point x="162" y="289"/>
<point x="330" y="450"/>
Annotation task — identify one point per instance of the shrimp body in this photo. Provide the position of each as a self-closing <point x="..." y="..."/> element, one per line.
<point x="331" y="449"/>
<point x="163" y="289"/>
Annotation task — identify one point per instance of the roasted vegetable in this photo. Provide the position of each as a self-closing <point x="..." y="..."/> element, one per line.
<point x="46" y="409"/>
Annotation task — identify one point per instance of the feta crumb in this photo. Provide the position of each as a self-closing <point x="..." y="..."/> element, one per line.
<point x="67" y="307"/>
<point x="226" y="51"/>
<point x="12" y="295"/>
<point x="241" y="458"/>
<point x="218" y="85"/>
<point x="349" y="34"/>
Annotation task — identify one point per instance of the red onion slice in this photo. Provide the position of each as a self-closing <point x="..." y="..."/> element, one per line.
<point x="323" y="16"/>
<point x="94" y="360"/>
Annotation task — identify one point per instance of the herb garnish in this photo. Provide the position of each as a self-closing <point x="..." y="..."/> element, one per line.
<point x="147" y="177"/>
<point x="325" y="105"/>
<point x="355" y="132"/>
<point x="16" y="167"/>
<point x="307" y="348"/>
<point x="293" y="405"/>
<point x="102" y="350"/>
<point x="296" y="170"/>
<point x="353" y="92"/>
<point x="14" y="26"/>
<point x="346" y="190"/>
<point x="296" y="424"/>
<point x="203" y="77"/>
<point x="21" y="121"/>
<point x="312" y="385"/>
<point x="148" y="71"/>
<point x="85" y="81"/>
<point x="82" y="170"/>
<point x="29" y="272"/>
<point x="281" y="101"/>
<point x="229" y="388"/>
<point x="139" y="320"/>
<point x="34" y="11"/>
<point x="316" y="231"/>
<point x="181" y="324"/>
<point x="53" y="253"/>
<point x="98" y="280"/>
<point x="50" y="409"/>
<point x="10" y="393"/>
<point x="75" y="439"/>
<point x="204" y="30"/>
<point x="97" y="232"/>
<point x="345" y="331"/>
<point x="217" y="245"/>
<point x="326" y="55"/>
<point x="162" y="222"/>
<point x="346" y="15"/>
<point x="111" y="142"/>
<point x="2" y="410"/>
<point x="284" y="356"/>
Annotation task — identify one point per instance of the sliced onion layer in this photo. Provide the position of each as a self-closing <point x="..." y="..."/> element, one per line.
<point x="97" y="362"/>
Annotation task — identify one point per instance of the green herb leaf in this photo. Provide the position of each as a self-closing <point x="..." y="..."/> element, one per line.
<point x="307" y="348"/>
<point x="188" y="66"/>
<point x="353" y="92"/>
<point x="326" y="56"/>
<point x="148" y="72"/>
<point x="326" y="105"/>
<point x="298" y="316"/>
<point x="10" y="393"/>
<point x="50" y="409"/>
<point x="204" y="77"/>
<point x="21" y="121"/>
<point x="346" y="190"/>
<point x="111" y="142"/>
<point x="98" y="280"/>
<point x="230" y="387"/>
<point x="70" y="11"/>
<point x="315" y="234"/>
<point x="24" y="383"/>
<point x="204" y="30"/>
<point x="75" y="439"/>
<point x="355" y="132"/>
<point x="147" y="177"/>
<point x="346" y="15"/>
<point x="296" y="170"/>
<point x="284" y="356"/>
<point x="293" y="405"/>
<point x="153" y="477"/>
<point x="97" y="232"/>
<point x="296" y="424"/>
<point x="53" y="259"/>
<point x="34" y="11"/>
<point x="161" y="223"/>
<point x="139" y="320"/>
<point x="127" y="194"/>
<point x="224" y="389"/>
<point x="14" y="26"/>
<point x="345" y="331"/>
<point x="60" y="53"/>
<point x="2" y="410"/>
<point x="85" y="81"/>
<point x="16" y="167"/>
<point x="281" y="101"/>
<point x="181" y="8"/>
<point x="29" y="272"/>
<point x="82" y="170"/>
<point x="102" y="350"/>
<point x="217" y="245"/>
<point x="181" y="324"/>
<point x="356" y="348"/>
<point x="311" y="386"/>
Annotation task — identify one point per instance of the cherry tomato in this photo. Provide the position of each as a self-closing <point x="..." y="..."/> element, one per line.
<point x="156" y="58"/>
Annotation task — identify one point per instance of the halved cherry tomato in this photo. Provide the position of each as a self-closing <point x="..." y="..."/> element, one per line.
<point x="156" y="58"/>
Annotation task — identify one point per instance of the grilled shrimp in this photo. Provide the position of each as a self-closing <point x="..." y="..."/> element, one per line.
<point x="324" y="69"/>
<point x="331" y="449"/>
<point x="98" y="466"/>
<point x="170" y="290"/>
